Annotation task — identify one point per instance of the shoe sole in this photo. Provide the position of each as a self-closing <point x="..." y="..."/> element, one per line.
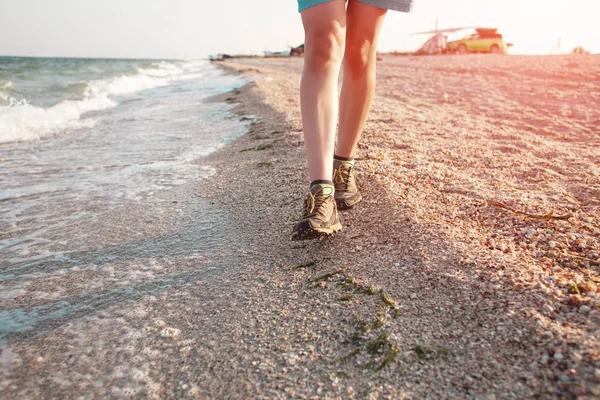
<point x="344" y="205"/>
<point x="317" y="233"/>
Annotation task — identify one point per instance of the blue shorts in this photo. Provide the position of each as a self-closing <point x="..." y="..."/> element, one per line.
<point x="397" y="5"/>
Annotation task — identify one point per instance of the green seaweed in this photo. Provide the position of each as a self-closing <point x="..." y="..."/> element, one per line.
<point x="369" y="365"/>
<point x="369" y="290"/>
<point x="423" y="352"/>
<point x="263" y="146"/>
<point x="574" y="289"/>
<point x="378" y="322"/>
<point x="356" y="338"/>
<point x="430" y="353"/>
<point x="304" y="266"/>
<point x="382" y="344"/>
<point x="360" y="325"/>
<point x="363" y="327"/>
<point x="389" y="359"/>
<point x="325" y="277"/>
<point x="352" y="284"/>
<point x="353" y="353"/>
<point x="377" y="345"/>
<point x="347" y="297"/>
<point x="388" y="300"/>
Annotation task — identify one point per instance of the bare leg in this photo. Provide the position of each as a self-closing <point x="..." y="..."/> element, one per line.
<point x="362" y="33"/>
<point x="325" y="29"/>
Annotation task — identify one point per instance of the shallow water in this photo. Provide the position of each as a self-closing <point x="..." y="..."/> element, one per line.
<point x="88" y="215"/>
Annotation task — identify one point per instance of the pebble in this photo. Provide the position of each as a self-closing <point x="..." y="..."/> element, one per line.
<point x="170" y="333"/>
<point x="558" y="356"/>
<point x="597" y="374"/>
<point x="530" y="233"/>
<point x="533" y="365"/>
<point x="585" y="309"/>
<point x="468" y="382"/>
<point x="575" y="300"/>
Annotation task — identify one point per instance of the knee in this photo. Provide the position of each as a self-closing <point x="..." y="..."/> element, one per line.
<point x="324" y="49"/>
<point x="358" y="56"/>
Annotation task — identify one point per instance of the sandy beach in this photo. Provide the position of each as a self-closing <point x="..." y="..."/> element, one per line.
<point x="470" y="270"/>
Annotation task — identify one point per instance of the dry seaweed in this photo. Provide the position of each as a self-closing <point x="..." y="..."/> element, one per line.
<point x="541" y="217"/>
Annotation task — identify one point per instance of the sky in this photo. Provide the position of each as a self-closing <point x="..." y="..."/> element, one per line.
<point x="192" y="29"/>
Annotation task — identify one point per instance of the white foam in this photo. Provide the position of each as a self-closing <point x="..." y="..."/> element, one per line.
<point x="123" y="85"/>
<point x="4" y="97"/>
<point x="161" y="69"/>
<point x="20" y="121"/>
<point x="161" y="74"/>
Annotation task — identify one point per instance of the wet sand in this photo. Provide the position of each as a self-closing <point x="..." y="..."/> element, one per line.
<point x="471" y="268"/>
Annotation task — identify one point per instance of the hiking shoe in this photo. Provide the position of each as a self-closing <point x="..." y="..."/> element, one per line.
<point x="320" y="216"/>
<point x="346" y="191"/>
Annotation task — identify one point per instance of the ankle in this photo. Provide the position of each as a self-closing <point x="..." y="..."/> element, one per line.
<point x="349" y="162"/>
<point x="341" y="158"/>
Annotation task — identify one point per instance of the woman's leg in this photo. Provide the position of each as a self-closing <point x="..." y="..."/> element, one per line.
<point x="364" y="23"/>
<point x="325" y="30"/>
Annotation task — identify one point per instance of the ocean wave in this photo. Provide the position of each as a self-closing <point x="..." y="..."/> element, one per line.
<point x="160" y="74"/>
<point x="21" y="121"/>
<point x="4" y="97"/>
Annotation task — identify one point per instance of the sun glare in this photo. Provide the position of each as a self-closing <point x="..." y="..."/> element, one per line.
<point x="533" y="26"/>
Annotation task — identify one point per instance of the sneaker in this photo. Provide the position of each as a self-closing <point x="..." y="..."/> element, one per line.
<point x="346" y="191"/>
<point x="320" y="216"/>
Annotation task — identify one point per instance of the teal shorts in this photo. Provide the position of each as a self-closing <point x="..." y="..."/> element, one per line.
<point x="397" y="5"/>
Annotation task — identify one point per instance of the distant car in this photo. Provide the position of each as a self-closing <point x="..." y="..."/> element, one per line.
<point x="484" y="40"/>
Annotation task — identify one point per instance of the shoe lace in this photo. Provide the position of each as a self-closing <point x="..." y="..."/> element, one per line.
<point x="341" y="176"/>
<point x="314" y="202"/>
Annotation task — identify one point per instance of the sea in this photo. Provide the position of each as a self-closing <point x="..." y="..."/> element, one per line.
<point x="82" y="137"/>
